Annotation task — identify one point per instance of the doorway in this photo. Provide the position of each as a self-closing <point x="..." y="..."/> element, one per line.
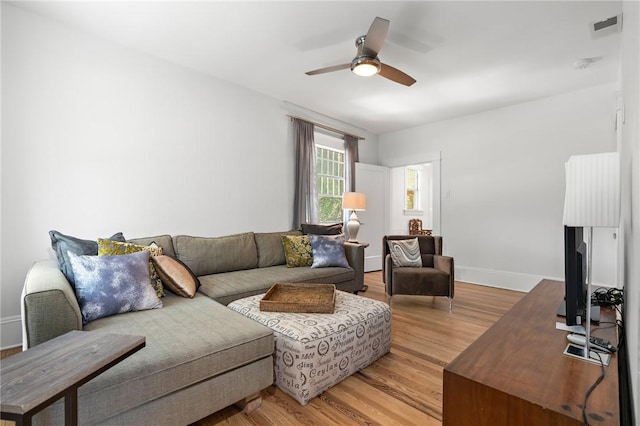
<point x="383" y="195"/>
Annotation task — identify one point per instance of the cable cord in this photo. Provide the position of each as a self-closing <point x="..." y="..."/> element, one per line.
<point x="595" y="384"/>
<point x="608" y="296"/>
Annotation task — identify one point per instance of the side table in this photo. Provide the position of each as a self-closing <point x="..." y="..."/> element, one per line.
<point x="33" y="379"/>
<point x="364" y="245"/>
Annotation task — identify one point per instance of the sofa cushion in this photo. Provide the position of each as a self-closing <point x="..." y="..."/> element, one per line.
<point x="176" y="276"/>
<point x="230" y="286"/>
<point x="164" y="241"/>
<point x="115" y="248"/>
<point x="328" y="250"/>
<point x="110" y="285"/>
<point x="420" y="281"/>
<point x="61" y="244"/>
<point x="206" y="256"/>
<point x="297" y="250"/>
<point x="270" y="250"/>
<point x="187" y="342"/>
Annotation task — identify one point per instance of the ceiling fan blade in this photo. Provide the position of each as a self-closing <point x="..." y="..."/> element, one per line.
<point x="394" y="74"/>
<point x="329" y="69"/>
<point x="375" y="37"/>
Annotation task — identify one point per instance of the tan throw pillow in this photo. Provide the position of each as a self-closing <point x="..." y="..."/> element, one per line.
<point x="176" y="276"/>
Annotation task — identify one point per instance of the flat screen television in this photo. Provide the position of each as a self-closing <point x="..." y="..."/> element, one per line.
<point x="575" y="279"/>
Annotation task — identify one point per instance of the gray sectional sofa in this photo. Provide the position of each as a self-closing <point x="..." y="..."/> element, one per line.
<point x="199" y="356"/>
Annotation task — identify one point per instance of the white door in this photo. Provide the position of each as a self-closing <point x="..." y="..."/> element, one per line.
<point x="373" y="181"/>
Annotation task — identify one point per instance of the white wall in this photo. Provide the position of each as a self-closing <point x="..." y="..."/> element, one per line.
<point x="630" y="87"/>
<point x="502" y="174"/>
<point x="98" y="138"/>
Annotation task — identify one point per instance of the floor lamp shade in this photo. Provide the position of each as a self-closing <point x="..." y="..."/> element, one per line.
<point x="592" y="199"/>
<point x="592" y="196"/>
<point x="354" y="201"/>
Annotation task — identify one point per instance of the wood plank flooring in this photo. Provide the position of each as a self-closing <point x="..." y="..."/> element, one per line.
<point x="405" y="386"/>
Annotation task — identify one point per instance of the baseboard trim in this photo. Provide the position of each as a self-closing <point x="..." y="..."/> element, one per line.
<point x="372" y="263"/>
<point x="10" y="332"/>
<point x="503" y="279"/>
<point x="499" y="279"/>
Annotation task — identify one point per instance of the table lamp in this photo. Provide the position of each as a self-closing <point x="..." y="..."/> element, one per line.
<point x="354" y="201"/>
<point x="592" y="199"/>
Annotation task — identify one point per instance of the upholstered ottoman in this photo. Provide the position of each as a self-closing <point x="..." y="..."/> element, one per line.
<point x="313" y="352"/>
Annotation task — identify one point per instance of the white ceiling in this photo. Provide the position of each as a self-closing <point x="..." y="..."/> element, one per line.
<point x="466" y="56"/>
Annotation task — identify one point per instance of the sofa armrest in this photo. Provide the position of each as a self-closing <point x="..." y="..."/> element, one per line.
<point x="354" y="253"/>
<point x="49" y="305"/>
<point x="445" y="264"/>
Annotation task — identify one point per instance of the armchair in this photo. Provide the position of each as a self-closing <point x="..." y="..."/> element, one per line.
<point x="434" y="278"/>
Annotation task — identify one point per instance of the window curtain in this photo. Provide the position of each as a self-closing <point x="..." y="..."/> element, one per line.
<point x="350" y="160"/>
<point x="305" y="208"/>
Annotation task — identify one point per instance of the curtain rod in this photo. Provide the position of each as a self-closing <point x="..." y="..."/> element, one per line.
<point x="322" y="126"/>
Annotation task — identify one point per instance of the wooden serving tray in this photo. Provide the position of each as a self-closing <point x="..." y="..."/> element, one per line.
<point x="305" y="298"/>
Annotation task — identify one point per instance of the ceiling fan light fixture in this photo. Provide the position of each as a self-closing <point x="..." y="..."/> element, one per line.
<point x="365" y="66"/>
<point x="366" y="62"/>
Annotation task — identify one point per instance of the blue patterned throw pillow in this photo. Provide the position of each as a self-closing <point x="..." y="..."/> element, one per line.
<point x="116" y="248"/>
<point x="405" y="252"/>
<point x="328" y="250"/>
<point x="110" y="285"/>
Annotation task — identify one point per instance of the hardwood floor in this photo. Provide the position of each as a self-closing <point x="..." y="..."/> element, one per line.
<point x="405" y="386"/>
<point x="9" y="352"/>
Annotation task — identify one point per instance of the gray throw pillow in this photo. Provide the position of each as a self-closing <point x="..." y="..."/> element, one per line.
<point x="328" y="250"/>
<point x="61" y="244"/>
<point x="405" y="252"/>
<point x="110" y="285"/>
<point x="317" y="229"/>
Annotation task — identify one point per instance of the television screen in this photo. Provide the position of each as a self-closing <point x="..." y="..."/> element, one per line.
<point x="575" y="256"/>
<point x="575" y="278"/>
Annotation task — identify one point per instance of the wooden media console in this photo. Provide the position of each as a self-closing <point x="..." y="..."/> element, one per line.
<point x="516" y="372"/>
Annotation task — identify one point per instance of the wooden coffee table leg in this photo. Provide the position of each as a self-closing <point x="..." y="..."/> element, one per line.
<point x="71" y="407"/>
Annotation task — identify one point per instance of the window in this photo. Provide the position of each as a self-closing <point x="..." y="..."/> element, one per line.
<point x="330" y="183"/>
<point x="412" y="188"/>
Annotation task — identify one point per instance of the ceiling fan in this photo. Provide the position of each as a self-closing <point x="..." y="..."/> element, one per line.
<point x="366" y="62"/>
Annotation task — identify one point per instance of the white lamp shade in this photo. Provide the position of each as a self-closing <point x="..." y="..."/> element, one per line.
<point x="354" y="201"/>
<point x="592" y="196"/>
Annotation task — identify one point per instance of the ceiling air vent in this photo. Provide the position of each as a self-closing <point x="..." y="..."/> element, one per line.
<point x="607" y="26"/>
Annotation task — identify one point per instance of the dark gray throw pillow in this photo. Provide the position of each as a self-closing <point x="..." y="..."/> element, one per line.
<point x="317" y="229"/>
<point x="61" y="244"/>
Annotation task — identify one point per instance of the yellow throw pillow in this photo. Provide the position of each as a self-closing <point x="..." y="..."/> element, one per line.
<point x="297" y="250"/>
